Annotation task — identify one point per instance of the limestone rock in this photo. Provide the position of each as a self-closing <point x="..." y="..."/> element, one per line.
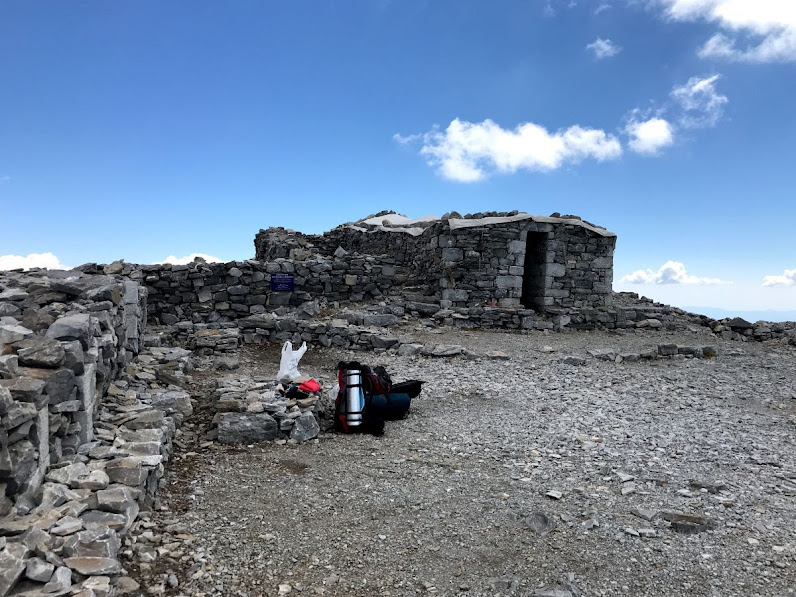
<point x="12" y="565"/>
<point x="443" y="350"/>
<point x="127" y="471"/>
<point x="244" y="428"/>
<point x="9" y="333"/>
<point x="71" y="327"/>
<point x="383" y="341"/>
<point x="408" y="350"/>
<point x="305" y="427"/>
<point x="39" y="570"/>
<point x="60" y="581"/>
<point x="91" y="566"/>
<point x="40" y="352"/>
<point x="97" y="542"/>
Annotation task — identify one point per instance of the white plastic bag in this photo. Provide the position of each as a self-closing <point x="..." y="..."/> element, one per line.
<point x="288" y="366"/>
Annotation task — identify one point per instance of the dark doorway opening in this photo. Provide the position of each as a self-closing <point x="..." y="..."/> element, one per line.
<point x="533" y="285"/>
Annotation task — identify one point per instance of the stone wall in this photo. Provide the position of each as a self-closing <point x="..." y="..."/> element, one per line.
<point x="534" y="264"/>
<point x="508" y="260"/>
<point x="219" y="293"/>
<point x="64" y="337"/>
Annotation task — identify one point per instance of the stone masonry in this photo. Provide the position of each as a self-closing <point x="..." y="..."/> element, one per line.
<point x="511" y="260"/>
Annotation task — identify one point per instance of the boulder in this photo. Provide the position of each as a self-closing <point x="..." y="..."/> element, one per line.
<point x="603" y="354"/>
<point x="443" y="350"/>
<point x="383" y="341"/>
<point x="380" y="320"/>
<point x="305" y="427"/>
<point x="409" y="350"/>
<point x="573" y="360"/>
<point x="739" y="323"/>
<point x="246" y="428"/>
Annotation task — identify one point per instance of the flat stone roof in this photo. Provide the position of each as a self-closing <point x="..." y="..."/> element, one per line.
<point x="402" y="224"/>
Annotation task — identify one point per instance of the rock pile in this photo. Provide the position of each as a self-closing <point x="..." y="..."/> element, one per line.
<point x="214" y="341"/>
<point x="670" y="351"/>
<point x="251" y="410"/>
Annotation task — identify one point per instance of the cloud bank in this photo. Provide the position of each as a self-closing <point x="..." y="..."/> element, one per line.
<point x="671" y="272"/>
<point x="787" y="278"/>
<point x="173" y="260"/>
<point x="33" y="260"/>
<point x="603" y="48"/>
<point x="750" y="30"/>
<point x="468" y="152"/>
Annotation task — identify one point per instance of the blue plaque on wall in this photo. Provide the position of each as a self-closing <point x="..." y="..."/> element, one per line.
<point x="282" y="282"/>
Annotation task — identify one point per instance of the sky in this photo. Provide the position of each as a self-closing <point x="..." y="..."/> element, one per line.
<point x="155" y="130"/>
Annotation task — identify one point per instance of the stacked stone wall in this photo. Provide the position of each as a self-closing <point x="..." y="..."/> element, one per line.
<point x="417" y="259"/>
<point x="220" y="293"/>
<point x="64" y="338"/>
<point x="486" y="264"/>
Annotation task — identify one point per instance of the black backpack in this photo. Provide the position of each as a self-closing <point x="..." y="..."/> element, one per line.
<point x="373" y="381"/>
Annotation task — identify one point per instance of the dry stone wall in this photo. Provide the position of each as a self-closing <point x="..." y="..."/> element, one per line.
<point x="64" y="337"/>
<point x="497" y="259"/>
<point x="572" y="266"/>
<point x="220" y="293"/>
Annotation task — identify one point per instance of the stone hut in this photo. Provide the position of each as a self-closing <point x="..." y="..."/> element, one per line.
<point x="513" y="260"/>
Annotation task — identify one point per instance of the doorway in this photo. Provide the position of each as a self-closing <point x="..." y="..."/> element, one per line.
<point x="533" y="278"/>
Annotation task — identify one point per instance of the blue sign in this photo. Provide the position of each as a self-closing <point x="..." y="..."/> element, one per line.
<point x="282" y="282"/>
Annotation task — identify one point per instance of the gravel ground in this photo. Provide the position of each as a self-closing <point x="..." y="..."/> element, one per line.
<point x="456" y="498"/>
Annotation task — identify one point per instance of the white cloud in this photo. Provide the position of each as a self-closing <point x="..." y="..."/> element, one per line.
<point x="468" y="152"/>
<point x="603" y="48"/>
<point x="752" y="30"/>
<point x="42" y="260"/>
<point x="701" y="103"/>
<point x="649" y="136"/>
<point x="671" y="272"/>
<point x="189" y="259"/>
<point x="788" y="278"/>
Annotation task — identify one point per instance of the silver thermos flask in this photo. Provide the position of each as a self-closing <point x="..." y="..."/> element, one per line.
<point x="355" y="398"/>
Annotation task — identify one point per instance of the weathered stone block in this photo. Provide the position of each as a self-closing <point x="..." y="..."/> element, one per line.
<point x="244" y="428"/>
<point x="508" y="281"/>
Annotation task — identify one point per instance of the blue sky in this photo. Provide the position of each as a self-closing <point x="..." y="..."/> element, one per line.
<point x="146" y="129"/>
